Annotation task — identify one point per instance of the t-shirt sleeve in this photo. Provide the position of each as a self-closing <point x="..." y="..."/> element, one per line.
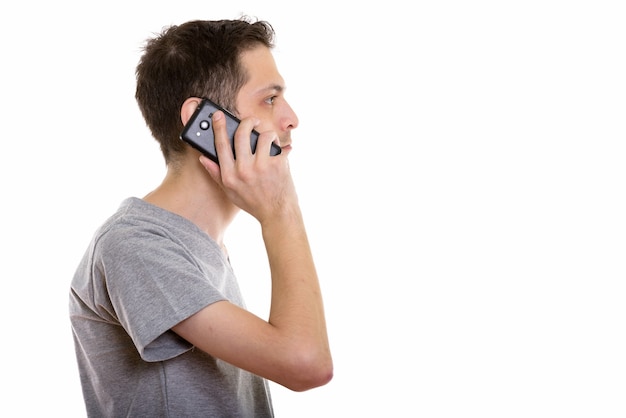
<point x="152" y="283"/>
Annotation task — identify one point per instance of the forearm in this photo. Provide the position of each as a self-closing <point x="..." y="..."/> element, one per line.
<point x="296" y="308"/>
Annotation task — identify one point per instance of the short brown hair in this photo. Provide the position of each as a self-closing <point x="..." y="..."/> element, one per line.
<point x="194" y="59"/>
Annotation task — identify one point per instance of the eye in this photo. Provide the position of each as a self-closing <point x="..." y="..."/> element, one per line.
<point x="270" y="100"/>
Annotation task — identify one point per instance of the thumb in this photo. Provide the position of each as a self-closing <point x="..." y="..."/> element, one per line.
<point x="212" y="167"/>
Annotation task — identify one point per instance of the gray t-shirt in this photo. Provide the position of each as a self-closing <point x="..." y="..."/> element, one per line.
<point x="145" y="271"/>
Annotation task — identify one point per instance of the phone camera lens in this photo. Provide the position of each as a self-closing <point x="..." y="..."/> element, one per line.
<point x="204" y="125"/>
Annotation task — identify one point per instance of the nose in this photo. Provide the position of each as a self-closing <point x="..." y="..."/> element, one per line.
<point x="289" y="120"/>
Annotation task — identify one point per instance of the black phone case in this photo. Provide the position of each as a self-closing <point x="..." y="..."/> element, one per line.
<point x="198" y="132"/>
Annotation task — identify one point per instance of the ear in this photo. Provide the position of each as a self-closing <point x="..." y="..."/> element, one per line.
<point x="189" y="106"/>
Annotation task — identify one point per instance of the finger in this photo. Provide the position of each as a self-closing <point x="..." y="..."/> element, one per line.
<point x="222" y="141"/>
<point x="243" y="150"/>
<point x="264" y="144"/>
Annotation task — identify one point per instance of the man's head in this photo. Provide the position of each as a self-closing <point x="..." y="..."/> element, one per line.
<point x="194" y="59"/>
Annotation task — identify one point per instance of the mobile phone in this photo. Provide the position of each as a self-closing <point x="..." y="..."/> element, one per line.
<point x="198" y="131"/>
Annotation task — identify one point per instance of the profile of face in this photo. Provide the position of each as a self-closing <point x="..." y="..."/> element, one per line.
<point x="263" y="96"/>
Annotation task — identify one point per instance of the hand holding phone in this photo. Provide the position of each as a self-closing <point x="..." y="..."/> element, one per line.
<point x="198" y="131"/>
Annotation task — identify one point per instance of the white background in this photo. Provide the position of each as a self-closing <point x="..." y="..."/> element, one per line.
<point x="461" y="166"/>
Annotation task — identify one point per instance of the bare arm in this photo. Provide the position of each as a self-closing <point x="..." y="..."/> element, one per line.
<point x="291" y="347"/>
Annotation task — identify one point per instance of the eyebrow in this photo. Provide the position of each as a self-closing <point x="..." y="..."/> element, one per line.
<point x="273" y="87"/>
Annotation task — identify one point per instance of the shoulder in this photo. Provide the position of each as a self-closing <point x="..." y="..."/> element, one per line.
<point x="134" y="225"/>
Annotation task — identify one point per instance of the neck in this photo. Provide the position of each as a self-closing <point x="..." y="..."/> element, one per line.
<point x="189" y="191"/>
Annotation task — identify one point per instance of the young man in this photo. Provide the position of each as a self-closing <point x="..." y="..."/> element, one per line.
<point x="159" y="324"/>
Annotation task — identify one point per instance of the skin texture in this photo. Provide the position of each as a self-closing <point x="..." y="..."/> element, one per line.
<point x="290" y="347"/>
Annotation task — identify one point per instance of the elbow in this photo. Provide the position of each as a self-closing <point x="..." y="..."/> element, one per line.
<point x="313" y="377"/>
<point x="309" y="370"/>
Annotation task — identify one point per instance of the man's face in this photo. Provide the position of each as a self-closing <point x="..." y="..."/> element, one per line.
<point x="262" y="96"/>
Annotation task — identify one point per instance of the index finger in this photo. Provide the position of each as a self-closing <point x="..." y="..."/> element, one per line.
<point x="223" y="147"/>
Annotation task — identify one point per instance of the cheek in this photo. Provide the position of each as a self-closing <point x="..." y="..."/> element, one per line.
<point x="267" y="120"/>
<point x="245" y="110"/>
